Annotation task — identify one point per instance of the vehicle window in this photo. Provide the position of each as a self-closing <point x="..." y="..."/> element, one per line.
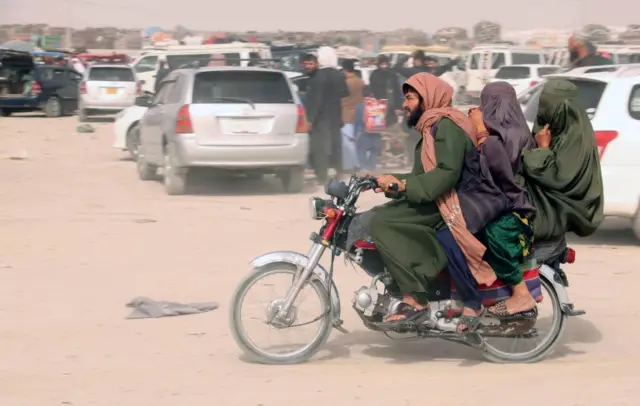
<point x="498" y="59"/>
<point x="546" y="71"/>
<point x="474" y="62"/>
<point x="634" y="102"/>
<point x="111" y="74"/>
<point x="46" y="74"/>
<point x="188" y="60"/>
<point x="530" y="100"/>
<point x="147" y="64"/>
<point x="233" y="59"/>
<point x="513" y="72"/>
<point x="257" y="87"/>
<point x="634" y="58"/>
<point x="518" y="58"/>
<point x="589" y="92"/>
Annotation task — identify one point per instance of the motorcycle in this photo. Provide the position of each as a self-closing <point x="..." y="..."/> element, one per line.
<point x="544" y="276"/>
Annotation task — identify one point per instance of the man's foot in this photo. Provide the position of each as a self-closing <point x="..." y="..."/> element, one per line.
<point x="514" y="307"/>
<point x="469" y="320"/>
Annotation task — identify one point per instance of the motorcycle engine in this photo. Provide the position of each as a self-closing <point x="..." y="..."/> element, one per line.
<point x="369" y="301"/>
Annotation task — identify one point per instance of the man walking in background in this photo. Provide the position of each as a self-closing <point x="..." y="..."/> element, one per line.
<point x="355" y="85"/>
<point x="323" y="104"/>
<point x="583" y="53"/>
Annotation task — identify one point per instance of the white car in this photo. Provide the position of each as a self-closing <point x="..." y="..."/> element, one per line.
<point x="611" y="96"/>
<point x="126" y="130"/>
<point x="107" y="88"/>
<point x="522" y="77"/>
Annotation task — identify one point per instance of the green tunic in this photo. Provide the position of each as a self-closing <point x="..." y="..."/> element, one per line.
<point x="405" y="230"/>
<point x="564" y="180"/>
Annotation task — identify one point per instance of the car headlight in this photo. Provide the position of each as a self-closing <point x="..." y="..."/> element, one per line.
<point x="317" y="207"/>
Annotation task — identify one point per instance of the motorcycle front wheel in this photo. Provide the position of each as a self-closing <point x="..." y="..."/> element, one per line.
<point x="278" y="354"/>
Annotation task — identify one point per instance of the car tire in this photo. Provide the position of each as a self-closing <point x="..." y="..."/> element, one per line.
<point x="145" y="170"/>
<point x="53" y="107"/>
<point x="175" y="178"/>
<point x="293" y="180"/>
<point x="133" y="140"/>
<point x="5" y="113"/>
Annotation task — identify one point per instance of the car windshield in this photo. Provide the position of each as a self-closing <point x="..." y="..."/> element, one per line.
<point x="513" y="72"/>
<point x="525" y="59"/>
<point x="114" y="74"/>
<point x="589" y="94"/>
<point x="229" y="87"/>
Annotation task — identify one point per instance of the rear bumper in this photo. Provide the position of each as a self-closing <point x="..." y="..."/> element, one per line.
<point x="191" y="154"/>
<point x="106" y="106"/>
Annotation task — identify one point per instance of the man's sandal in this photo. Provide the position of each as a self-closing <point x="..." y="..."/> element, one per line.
<point x="408" y="312"/>
<point x="469" y="324"/>
<point x="500" y="311"/>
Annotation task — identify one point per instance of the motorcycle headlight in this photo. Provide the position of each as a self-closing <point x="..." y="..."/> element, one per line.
<point x="318" y="206"/>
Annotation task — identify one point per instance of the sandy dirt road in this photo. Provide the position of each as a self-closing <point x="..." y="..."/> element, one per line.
<point x="81" y="235"/>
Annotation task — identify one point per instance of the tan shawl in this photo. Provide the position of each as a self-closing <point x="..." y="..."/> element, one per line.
<point x="437" y="97"/>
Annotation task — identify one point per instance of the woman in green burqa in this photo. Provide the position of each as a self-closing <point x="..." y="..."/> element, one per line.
<point x="563" y="173"/>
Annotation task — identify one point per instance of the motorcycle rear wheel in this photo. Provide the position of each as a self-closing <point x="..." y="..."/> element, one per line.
<point x="260" y="355"/>
<point x="542" y="350"/>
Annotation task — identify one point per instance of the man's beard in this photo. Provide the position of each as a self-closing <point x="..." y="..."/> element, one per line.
<point x="414" y="117"/>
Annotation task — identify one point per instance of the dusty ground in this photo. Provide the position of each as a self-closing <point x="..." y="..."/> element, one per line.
<point x="81" y="235"/>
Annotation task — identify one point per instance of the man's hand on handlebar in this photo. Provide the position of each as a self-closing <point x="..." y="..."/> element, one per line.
<point x="389" y="184"/>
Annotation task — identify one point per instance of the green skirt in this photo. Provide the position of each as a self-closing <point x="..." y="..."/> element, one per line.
<point x="508" y="240"/>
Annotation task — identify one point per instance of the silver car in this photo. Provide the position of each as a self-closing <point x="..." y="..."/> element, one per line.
<point x="107" y="89"/>
<point x="243" y="119"/>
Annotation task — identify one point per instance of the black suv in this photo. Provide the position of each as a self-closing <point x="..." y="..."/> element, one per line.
<point x="26" y="86"/>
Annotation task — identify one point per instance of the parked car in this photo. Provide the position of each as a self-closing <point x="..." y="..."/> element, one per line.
<point x="107" y="88"/>
<point x="126" y="129"/>
<point x="26" y="86"/>
<point x="612" y="101"/>
<point x="522" y="77"/>
<point x="242" y="119"/>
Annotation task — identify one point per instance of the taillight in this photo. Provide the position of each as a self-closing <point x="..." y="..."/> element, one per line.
<point x="603" y="138"/>
<point x="301" y="125"/>
<point x="35" y="87"/>
<point x="533" y="83"/>
<point x="569" y="256"/>
<point x="183" y="122"/>
<point x="83" y="87"/>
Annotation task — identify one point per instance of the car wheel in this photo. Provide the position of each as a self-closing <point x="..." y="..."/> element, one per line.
<point x="53" y="108"/>
<point x="145" y="170"/>
<point x="175" y="178"/>
<point x="133" y="140"/>
<point x="5" y="113"/>
<point x="293" y="180"/>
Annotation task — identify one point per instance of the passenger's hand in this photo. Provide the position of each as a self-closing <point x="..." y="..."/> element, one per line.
<point x="543" y="138"/>
<point x="384" y="181"/>
<point x="475" y="115"/>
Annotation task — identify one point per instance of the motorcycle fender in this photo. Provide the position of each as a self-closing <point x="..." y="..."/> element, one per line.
<point x="301" y="260"/>
<point x="549" y="274"/>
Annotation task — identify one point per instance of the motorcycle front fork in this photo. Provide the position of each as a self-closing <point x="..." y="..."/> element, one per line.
<point x="301" y="277"/>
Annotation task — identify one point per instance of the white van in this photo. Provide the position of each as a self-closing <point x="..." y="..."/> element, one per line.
<point x="236" y="53"/>
<point x="484" y="61"/>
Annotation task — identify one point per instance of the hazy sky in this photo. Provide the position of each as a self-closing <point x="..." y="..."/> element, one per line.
<point x="239" y="15"/>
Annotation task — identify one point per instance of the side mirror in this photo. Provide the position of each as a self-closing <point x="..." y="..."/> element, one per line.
<point x="143" y="101"/>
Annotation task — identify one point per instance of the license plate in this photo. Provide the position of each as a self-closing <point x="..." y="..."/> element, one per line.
<point x="112" y="90"/>
<point x="244" y="128"/>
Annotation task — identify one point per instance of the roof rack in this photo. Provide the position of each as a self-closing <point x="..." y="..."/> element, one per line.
<point x="205" y="47"/>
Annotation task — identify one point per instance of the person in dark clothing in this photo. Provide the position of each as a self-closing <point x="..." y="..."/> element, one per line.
<point x="323" y="104"/>
<point x="162" y="72"/>
<point x="423" y="63"/>
<point x="583" y="53"/>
